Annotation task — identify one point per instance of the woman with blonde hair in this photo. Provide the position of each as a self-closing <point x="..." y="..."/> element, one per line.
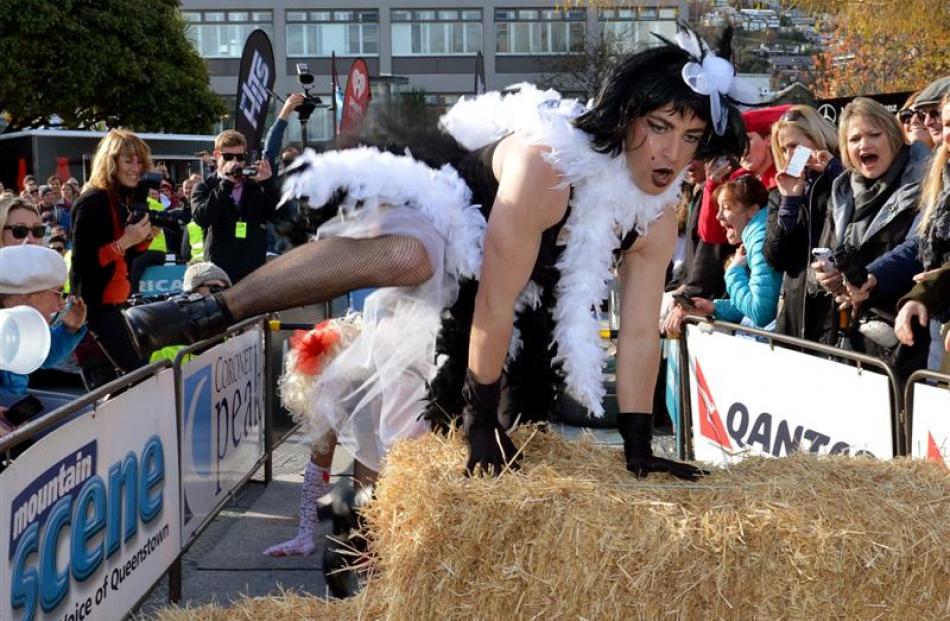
<point x="796" y="221"/>
<point x="874" y="207"/>
<point x="20" y="223"/>
<point x="106" y="239"/>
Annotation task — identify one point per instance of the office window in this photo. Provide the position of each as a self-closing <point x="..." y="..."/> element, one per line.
<point x="539" y="31"/>
<point x="221" y="34"/>
<point x="633" y="27"/>
<point x="320" y="33"/>
<point x="436" y="32"/>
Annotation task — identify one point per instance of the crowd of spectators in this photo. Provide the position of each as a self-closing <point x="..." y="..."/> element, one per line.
<point x="852" y="251"/>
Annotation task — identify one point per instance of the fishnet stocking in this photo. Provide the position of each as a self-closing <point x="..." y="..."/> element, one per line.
<point x="321" y="270"/>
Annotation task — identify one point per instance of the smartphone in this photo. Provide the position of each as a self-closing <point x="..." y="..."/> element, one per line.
<point x="684" y="301"/>
<point x="23" y="410"/>
<point x="826" y="257"/>
<point x="796" y="165"/>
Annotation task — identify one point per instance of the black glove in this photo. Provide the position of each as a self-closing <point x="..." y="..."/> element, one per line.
<point x="489" y="447"/>
<point x="637" y="432"/>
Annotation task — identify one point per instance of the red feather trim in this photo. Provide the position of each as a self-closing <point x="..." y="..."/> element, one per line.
<point x="313" y="347"/>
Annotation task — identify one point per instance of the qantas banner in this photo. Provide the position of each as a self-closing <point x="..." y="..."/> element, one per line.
<point x="930" y="421"/>
<point x="747" y="398"/>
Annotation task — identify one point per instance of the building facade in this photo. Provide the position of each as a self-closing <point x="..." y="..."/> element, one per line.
<point x="427" y="45"/>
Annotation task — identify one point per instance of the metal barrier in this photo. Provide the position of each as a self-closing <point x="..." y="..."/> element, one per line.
<point x="73" y="412"/>
<point x="71" y="480"/>
<point x="792" y="343"/>
<point x="183" y="358"/>
<point x="917" y="378"/>
<point x="52" y="419"/>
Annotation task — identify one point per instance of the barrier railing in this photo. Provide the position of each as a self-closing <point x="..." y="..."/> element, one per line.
<point x="927" y="415"/>
<point x="102" y="477"/>
<point x="216" y="466"/>
<point x="714" y="428"/>
<point x="215" y="434"/>
<point x="52" y="419"/>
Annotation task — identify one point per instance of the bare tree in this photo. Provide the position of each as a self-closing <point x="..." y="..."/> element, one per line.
<point x="582" y="73"/>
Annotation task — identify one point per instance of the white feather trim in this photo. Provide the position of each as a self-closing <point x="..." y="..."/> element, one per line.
<point x="606" y="205"/>
<point x="374" y="178"/>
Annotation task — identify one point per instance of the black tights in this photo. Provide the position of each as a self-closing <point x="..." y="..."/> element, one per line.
<point x="324" y="269"/>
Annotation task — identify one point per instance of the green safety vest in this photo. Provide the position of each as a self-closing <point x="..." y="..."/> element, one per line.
<point x="158" y="242"/>
<point x="169" y="353"/>
<point x="68" y="257"/>
<point x="196" y="238"/>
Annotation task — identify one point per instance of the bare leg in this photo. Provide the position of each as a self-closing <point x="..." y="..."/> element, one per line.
<point x="316" y="483"/>
<point x="321" y="270"/>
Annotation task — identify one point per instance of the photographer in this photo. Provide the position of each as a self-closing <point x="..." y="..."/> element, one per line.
<point x="233" y="207"/>
<point x="106" y="240"/>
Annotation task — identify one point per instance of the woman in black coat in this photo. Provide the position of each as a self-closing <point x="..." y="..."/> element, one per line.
<point x="105" y="242"/>
<point x="796" y="219"/>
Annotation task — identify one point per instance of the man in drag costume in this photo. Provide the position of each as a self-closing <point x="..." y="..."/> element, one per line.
<point x="492" y="244"/>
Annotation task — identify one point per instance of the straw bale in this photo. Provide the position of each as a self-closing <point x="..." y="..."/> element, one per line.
<point x="574" y="536"/>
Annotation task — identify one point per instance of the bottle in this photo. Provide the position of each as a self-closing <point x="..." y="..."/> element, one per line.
<point x="844" y="321"/>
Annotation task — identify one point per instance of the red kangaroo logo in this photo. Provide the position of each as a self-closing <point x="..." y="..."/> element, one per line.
<point x="710" y="425"/>
<point x="933" y="451"/>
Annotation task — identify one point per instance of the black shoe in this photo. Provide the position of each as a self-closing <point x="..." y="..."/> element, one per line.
<point x="346" y="546"/>
<point x="180" y="321"/>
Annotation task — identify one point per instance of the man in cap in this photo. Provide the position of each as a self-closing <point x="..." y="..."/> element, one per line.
<point x="34" y="276"/>
<point x="203" y="278"/>
<point x="927" y="107"/>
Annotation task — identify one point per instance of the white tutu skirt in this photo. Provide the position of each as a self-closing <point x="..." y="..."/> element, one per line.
<point x="372" y="393"/>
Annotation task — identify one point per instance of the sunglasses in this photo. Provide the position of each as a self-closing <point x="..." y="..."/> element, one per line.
<point x="20" y="231"/>
<point x="906" y="115"/>
<point x="227" y="157"/>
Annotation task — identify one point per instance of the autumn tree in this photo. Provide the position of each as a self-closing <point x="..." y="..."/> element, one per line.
<point x="111" y="62"/>
<point x="880" y="46"/>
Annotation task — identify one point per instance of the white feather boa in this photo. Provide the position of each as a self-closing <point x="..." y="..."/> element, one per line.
<point x="606" y="205"/>
<point x="374" y="178"/>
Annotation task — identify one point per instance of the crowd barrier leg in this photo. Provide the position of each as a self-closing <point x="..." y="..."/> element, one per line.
<point x="174" y="581"/>
<point x="269" y="382"/>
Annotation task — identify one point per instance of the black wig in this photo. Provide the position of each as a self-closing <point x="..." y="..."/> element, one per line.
<point x="649" y="80"/>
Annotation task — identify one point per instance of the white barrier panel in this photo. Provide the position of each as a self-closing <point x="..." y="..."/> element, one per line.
<point x="222" y="430"/>
<point x="930" y="420"/>
<point x="747" y="399"/>
<point x="90" y="515"/>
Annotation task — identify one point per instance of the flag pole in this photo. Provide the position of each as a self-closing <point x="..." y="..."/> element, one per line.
<point x="333" y="87"/>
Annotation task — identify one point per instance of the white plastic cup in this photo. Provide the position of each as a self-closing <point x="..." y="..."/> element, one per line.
<point x="24" y="339"/>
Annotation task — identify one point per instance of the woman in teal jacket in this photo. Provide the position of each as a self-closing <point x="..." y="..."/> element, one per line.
<point x="752" y="284"/>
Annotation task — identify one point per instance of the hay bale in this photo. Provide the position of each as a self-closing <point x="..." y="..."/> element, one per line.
<point x="574" y="536"/>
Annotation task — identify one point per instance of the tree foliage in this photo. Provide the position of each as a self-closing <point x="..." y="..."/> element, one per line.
<point x="112" y="62"/>
<point x="880" y="46"/>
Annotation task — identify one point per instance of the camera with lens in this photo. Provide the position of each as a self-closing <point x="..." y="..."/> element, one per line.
<point x="173" y="219"/>
<point x="848" y="260"/>
<point x="247" y="171"/>
<point x="310" y="101"/>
